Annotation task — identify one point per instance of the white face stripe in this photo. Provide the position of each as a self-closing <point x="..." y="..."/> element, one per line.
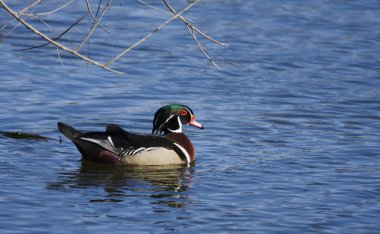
<point x="188" y="110"/>
<point x="159" y="129"/>
<point x="184" y="152"/>
<point x="167" y="120"/>
<point x="155" y="122"/>
<point x="170" y="117"/>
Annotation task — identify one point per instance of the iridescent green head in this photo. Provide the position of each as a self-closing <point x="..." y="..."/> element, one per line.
<point x="170" y="118"/>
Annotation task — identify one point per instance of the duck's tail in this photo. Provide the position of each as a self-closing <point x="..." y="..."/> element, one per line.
<point x="68" y="131"/>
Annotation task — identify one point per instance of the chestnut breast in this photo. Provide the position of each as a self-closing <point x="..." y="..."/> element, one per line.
<point x="182" y="140"/>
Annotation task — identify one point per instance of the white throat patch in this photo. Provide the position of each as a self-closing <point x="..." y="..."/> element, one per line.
<point x="179" y="130"/>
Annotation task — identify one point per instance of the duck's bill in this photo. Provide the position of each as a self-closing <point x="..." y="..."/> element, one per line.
<point x="195" y="123"/>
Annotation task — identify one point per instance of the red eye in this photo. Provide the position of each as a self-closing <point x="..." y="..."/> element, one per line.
<point x="183" y="112"/>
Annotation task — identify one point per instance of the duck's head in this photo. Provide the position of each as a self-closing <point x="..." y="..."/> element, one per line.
<point x="170" y="118"/>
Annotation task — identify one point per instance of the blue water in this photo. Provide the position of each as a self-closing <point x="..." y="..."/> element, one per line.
<point x="291" y="141"/>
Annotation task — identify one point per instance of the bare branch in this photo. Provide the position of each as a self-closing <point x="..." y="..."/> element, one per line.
<point x="7" y="24"/>
<point x="192" y="29"/>
<point x="159" y="9"/>
<point x="30" y="6"/>
<point x="44" y="22"/>
<point x="207" y="53"/>
<point x="151" y="33"/>
<point x="59" y="36"/>
<point x="96" y="21"/>
<point x="10" y="31"/>
<point x="102" y="7"/>
<point x="59" y="57"/>
<point x="156" y="8"/>
<point x="94" y="26"/>
<point x="49" y="12"/>
<point x="193" y="26"/>
<point x="51" y="41"/>
<point x="204" y="50"/>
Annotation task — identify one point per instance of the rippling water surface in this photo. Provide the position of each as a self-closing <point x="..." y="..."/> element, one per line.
<point x="292" y="138"/>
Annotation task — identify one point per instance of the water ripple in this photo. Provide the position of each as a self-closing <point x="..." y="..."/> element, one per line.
<point x="291" y="139"/>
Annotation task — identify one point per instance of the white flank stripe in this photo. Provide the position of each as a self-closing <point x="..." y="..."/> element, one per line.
<point x="91" y="140"/>
<point x="103" y="143"/>
<point x="136" y="151"/>
<point x="184" y="151"/>
<point x="110" y="140"/>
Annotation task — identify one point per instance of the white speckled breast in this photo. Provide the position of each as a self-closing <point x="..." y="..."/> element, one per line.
<point x="159" y="156"/>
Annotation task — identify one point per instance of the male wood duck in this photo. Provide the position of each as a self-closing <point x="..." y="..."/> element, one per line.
<point x="166" y="145"/>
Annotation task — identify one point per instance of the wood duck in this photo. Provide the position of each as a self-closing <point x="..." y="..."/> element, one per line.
<point x="166" y="145"/>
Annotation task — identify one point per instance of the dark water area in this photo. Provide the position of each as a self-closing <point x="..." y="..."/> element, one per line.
<point x="291" y="141"/>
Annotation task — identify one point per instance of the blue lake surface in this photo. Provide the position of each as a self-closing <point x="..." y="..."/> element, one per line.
<point x="291" y="141"/>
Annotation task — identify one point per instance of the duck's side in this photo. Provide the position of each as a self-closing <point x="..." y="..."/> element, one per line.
<point x="167" y="144"/>
<point x="121" y="147"/>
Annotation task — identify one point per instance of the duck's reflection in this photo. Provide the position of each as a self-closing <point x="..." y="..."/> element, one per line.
<point x="165" y="184"/>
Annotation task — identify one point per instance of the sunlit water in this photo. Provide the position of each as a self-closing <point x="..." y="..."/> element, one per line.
<point x="291" y="140"/>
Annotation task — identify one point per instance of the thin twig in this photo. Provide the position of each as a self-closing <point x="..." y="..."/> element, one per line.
<point x="96" y="21"/>
<point x="29" y="11"/>
<point x="30" y="6"/>
<point x="207" y="53"/>
<point x="60" y="35"/>
<point x="49" y="12"/>
<point x="193" y="26"/>
<point x="30" y="27"/>
<point x="159" y="9"/>
<point x="7" y="24"/>
<point x="156" y="8"/>
<point x="151" y="33"/>
<point x="93" y="27"/>
<point x="10" y="31"/>
<point x="204" y="50"/>
<point x="44" y="22"/>
<point x="192" y="29"/>
<point x="59" y="57"/>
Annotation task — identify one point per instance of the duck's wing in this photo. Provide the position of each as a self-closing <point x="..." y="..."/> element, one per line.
<point x="95" y="146"/>
<point x="124" y="138"/>
<point x="101" y="139"/>
<point x="121" y="142"/>
<point x="138" y="144"/>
